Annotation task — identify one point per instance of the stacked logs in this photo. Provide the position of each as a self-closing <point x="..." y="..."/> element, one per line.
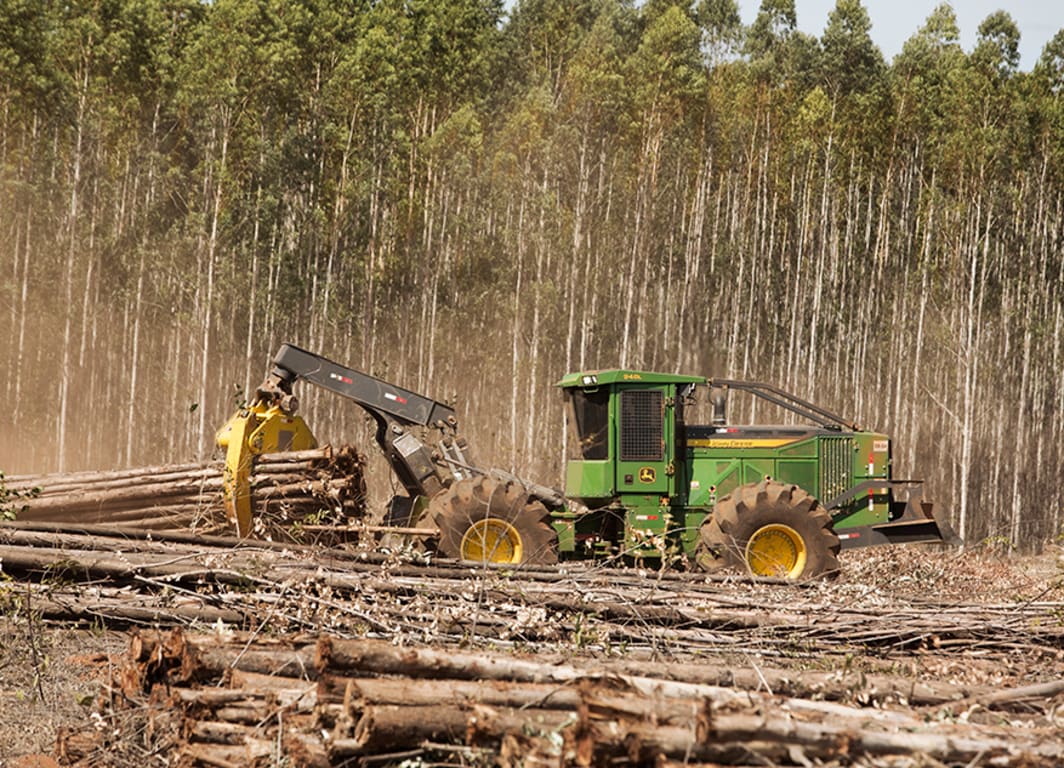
<point x="286" y="487"/>
<point x="211" y="700"/>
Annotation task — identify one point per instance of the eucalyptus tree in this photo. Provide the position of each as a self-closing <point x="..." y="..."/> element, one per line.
<point x="149" y="37"/>
<point x="593" y="116"/>
<point x="1046" y="108"/>
<point x="455" y="57"/>
<point x="1050" y="66"/>
<point x="1047" y="104"/>
<point x="722" y="29"/>
<point x="578" y="184"/>
<point x="238" y="70"/>
<point x="28" y="84"/>
<point x="851" y="62"/>
<point x="998" y="44"/>
<point x="541" y="38"/>
<point x="776" y="21"/>
<point x="849" y="126"/>
<point x="93" y="46"/>
<point x="778" y="52"/>
<point x="549" y="137"/>
<point x="667" y="78"/>
<point x="924" y="73"/>
<point x="25" y="58"/>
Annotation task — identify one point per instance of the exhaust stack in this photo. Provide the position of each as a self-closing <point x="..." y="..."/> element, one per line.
<point x="719" y="398"/>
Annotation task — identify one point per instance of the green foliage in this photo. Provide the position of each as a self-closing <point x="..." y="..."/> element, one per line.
<point x="666" y="70"/>
<point x="774" y="25"/>
<point x="542" y="37"/>
<point x="26" y="66"/>
<point x="722" y="27"/>
<point x="814" y="118"/>
<point x="998" y="47"/>
<point x="926" y="76"/>
<point x="851" y="63"/>
<point x="1050" y="67"/>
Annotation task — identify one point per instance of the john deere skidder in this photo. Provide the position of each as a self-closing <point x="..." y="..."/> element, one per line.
<point x="647" y="478"/>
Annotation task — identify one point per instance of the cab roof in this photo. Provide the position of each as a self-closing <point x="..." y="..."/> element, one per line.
<point x="625" y="376"/>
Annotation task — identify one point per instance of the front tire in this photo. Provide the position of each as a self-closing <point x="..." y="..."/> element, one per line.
<point x="769" y="529"/>
<point x="483" y="520"/>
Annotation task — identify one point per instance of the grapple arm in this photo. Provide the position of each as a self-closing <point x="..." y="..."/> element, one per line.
<point x="269" y="425"/>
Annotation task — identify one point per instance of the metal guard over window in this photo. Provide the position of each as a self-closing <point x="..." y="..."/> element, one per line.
<point x="642" y="437"/>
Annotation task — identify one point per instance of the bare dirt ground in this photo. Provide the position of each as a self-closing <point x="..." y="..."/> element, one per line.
<point x="51" y="672"/>
<point x="49" y="678"/>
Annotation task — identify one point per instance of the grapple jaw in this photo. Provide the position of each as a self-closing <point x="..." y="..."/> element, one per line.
<point x="266" y="426"/>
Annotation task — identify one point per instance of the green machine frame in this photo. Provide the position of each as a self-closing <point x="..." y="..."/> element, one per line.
<point x="649" y="478"/>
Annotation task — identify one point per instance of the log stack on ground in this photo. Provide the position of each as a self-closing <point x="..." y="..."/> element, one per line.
<point x="213" y="699"/>
<point x="319" y="484"/>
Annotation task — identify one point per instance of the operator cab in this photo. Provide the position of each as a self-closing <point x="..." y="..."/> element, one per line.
<point x="623" y="433"/>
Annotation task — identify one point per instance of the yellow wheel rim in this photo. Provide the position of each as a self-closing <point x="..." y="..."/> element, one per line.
<point x="776" y="550"/>
<point x="492" y="541"/>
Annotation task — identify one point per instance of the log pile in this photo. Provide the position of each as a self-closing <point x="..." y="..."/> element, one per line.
<point x="286" y="487"/>
<point x="247" y="700"/>
<point x="630" y="666"/>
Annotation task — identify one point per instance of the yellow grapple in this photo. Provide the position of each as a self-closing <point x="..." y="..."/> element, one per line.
<point x="263" y="427"/>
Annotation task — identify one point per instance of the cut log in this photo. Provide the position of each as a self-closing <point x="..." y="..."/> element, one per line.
<point x="372" y="699"/>
<point x="390" y="727"/>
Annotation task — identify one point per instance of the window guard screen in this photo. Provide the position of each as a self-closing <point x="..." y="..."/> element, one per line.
<point x="642" y="435"/>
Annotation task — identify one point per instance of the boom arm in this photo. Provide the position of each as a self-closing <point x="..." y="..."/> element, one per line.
<point x="392" y="407"/>
<point x="378" y="397"/>
<point x="421" y="471"/>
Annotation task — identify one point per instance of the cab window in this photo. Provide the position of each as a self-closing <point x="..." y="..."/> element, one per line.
<point x="589" y="418"/>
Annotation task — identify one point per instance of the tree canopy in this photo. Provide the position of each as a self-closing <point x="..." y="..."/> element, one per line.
<point x="471" y="202"/>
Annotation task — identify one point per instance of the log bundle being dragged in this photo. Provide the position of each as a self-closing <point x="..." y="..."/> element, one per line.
<point x="209" y="700"/>
<point x="318" y="485"/>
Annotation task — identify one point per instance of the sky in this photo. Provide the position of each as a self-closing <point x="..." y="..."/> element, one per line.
<point x="895" y="21"/>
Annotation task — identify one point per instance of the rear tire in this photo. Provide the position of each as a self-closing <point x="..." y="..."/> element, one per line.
<point x="769" y="529"/>
<point x="484" y="520"/>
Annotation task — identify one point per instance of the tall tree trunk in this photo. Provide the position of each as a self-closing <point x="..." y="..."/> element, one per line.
<point x="208" y="304"/>
<point x="68" y="281"/>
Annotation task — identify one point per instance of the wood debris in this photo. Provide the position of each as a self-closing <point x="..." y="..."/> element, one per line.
<point x="117" y="576"/>
<point x="270" y="652"/>
<point x="210" y="699"/>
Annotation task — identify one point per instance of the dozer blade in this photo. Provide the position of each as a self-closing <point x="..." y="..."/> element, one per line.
<point x="919" y="522"/>
<point x="945" y="530"/>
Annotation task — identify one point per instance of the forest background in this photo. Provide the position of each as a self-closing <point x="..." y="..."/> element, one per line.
<point x="472" y="202"/>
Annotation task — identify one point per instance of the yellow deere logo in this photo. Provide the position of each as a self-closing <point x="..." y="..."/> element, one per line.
<point x="647" y="474"/>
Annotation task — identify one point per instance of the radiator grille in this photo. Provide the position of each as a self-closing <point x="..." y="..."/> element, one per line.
<point x="641" y="425"/>
<point x="836" y="466"/>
